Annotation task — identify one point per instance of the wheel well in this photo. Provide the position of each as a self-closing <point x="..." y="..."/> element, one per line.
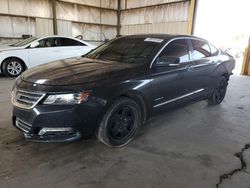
<point x="13" y="58"/>
<point x="140" y="101"/>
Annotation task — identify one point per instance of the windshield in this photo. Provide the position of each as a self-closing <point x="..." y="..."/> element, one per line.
<point x="127" y="50"/>
<point x="24" y="42"/>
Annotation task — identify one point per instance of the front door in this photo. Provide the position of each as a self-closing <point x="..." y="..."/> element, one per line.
<point x="168" y="83"/>
<point x="47" y="51"/>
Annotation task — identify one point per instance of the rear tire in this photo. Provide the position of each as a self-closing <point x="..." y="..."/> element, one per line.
<point x="120" y="123"/>
<point x="219" y="91"/>
<point x="13" y="67"/>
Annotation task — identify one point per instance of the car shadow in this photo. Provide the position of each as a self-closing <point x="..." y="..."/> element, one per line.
<point x="154" y="122"/>
<point x="87" y="153"/>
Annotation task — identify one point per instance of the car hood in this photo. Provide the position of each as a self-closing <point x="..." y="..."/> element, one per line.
<point x="79" y="71"/>
<point x="7" y="48"/>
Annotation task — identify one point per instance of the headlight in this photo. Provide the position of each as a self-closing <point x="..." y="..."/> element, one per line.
<point x="70" y="98"/>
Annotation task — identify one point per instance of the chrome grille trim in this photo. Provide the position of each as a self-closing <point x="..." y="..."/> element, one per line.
<point x="25" y="127"/>
<point x="26" y="99"/>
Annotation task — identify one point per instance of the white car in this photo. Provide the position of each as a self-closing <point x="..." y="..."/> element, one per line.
<point x="16" y="58"/>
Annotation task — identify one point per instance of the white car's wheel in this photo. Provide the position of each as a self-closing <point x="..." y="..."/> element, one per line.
<point x="13" y="67"/>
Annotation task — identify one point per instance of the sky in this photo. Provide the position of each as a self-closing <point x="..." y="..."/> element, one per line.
<point x="221" y="21"/>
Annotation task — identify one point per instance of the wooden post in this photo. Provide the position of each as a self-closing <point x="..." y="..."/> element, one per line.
<point x="54" y="16"/>
<point x="245" y="70"/>
<point x="191" y="16"/>
<point x="118" y="27"/>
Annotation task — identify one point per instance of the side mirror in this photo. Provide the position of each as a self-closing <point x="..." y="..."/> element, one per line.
<point x="34" y="44"/>
<point x="170" y="61"/>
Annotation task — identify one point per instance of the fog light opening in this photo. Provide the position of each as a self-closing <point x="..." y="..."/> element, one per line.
<point x="61" y="130"/>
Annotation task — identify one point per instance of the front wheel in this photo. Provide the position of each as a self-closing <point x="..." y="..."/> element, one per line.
<point x="120" y="123"/>
<point x="219" y="91"/>
<point x="13" y="67"/>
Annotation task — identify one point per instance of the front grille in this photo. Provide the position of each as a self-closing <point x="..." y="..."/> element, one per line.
<point x="25" y="127"/>
<point x="26" y="99"/>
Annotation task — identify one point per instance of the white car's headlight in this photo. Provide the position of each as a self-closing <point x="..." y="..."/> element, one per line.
<point x="69" y="98"/>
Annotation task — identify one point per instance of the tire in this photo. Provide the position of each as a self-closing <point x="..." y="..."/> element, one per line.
<point x="120" y="123"/>
<point x="13" y="67"/>
<point x="219" y="91"/>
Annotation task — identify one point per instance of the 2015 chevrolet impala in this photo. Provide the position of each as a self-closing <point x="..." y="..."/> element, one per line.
<point x="113" y="89"/>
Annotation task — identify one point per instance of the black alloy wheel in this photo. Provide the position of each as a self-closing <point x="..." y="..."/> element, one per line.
<point x="120" y="123"/>
<point x="219" y="91"/>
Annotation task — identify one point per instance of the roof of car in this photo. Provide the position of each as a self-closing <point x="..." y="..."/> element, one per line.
<point x="42" y="36"/>
<point x="162" y="36"/>
<point x="62" y="36"/>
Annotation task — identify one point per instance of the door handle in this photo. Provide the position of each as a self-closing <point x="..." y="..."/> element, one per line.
<point x="173" y="65"/>
<point x="218" y="62"/>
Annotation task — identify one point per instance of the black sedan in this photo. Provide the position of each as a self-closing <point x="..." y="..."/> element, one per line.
<point x="113" y="89"/>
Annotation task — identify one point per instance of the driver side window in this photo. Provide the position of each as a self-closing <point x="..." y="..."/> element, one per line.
<point x="176" y="51"/>
<point x="47" y="43"/>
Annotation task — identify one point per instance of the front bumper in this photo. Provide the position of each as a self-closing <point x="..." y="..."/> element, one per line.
<point x="37" y="134"/>
<point x="57" y="123"/>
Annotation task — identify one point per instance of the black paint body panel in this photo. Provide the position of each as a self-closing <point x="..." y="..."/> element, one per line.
<point x="107" y="80"/>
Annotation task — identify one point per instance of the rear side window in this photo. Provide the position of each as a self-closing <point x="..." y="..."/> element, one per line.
<point x="200" y="49"/>
<point x="214" y="50"/>
<point x="70" y="42"/>
<point x="177" y="49"/>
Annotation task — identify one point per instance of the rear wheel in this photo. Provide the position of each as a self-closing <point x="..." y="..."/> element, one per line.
<point x="13" y="67"/>
<point x="219" y="91"/>
<point x="120" y="123"/>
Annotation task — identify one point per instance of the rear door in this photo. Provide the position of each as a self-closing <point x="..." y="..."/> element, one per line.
<point x="198" y="76"/>
<point x="72" y="48"/>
